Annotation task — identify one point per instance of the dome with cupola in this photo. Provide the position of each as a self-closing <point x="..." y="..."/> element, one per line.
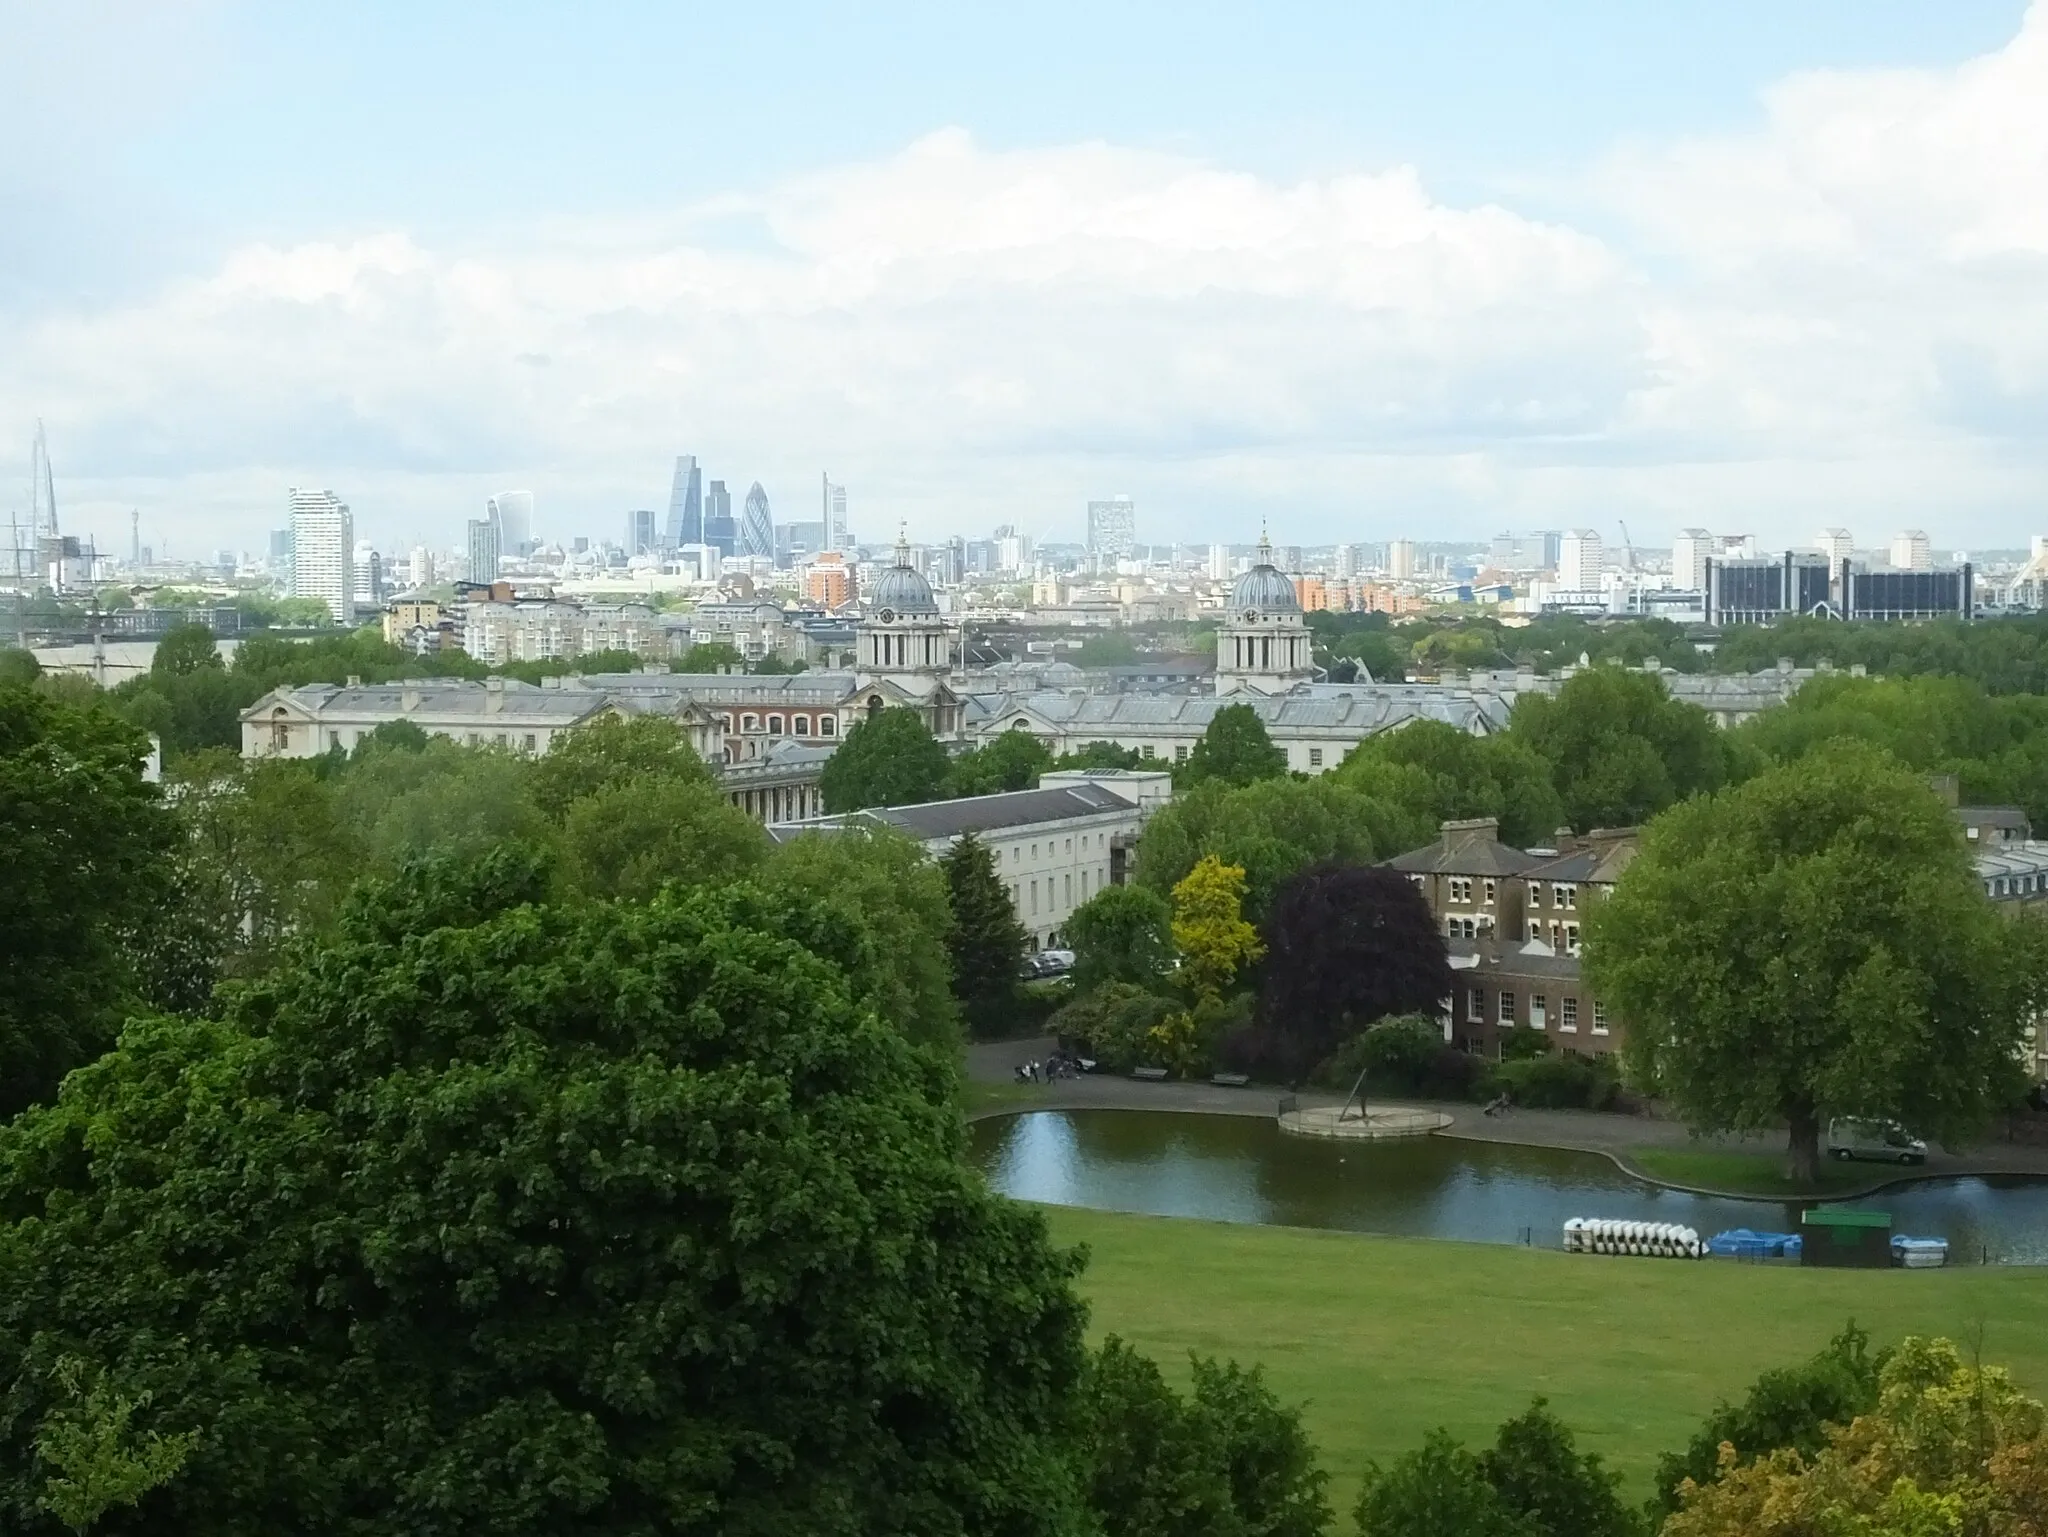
<point x="1264" y="589"/>
<point x="900" y="589"/>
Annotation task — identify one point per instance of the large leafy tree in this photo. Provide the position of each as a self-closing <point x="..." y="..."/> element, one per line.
<point x="1950" y="1449"/>
<point x="883" y="880"/>
<point x="1229" y="1461"/>
<point x="91" y="872"/>
<point x="1620" y="749"/>
<point x="1532" y="1482"/>
<point x="1012" y="761"/>
<point x="1209" y="928"/>
<point x="610" y="751"/>
<point x="1274" y="829"/>
<point x="1345" y="946"/>
<point x="889" y="759"/>
<point x="1235" y="748"/>
<point x="1441" y="774"/>
<point x="496" y="1217"/>
<point x="986" y="942"/>
<point x="1121" y="934"/>
<point x="630" y="838"/>
<point x="1815" y="943"/>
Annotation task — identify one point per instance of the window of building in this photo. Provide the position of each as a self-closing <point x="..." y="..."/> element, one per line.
<point x="1180" y="753"/>
<point x="1034" y="899"/>
<point x="1417" y="880"/>
<point x="532" y="742"/>
<point x="1535" y="893"/>
<point x="1067" y="885"/>
<point x="750" y="723"/>
<point x="1599" y="1018"/>
<point x="1475" y="1006"/>
<point x="828" y="725"/>
<point x="775" y="725"/>
<point x="802" y="724"/>
<point x="1539" y="1011"/>
<point x="1461" y="888"/>
<point x="1571" y="898"/>
<point x="1070" y="844"/>
<point x="1491" y="892"/>
<point x="1315" y="757"/>
<point x="1507" y="1008"/>
<point x="1145" y="751"/>
<point x="1571" y="939"/>
<point x="500" y="739"/>
<point x="1568" y="1013"/>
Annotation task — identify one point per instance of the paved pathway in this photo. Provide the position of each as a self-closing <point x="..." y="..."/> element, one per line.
<point x="1618" y="1136"/>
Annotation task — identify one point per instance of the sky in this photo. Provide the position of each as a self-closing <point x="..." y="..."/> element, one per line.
<point x="1352" y="272"/>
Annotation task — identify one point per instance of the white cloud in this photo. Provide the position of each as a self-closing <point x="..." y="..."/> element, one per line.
<point x="1838" y="317"/>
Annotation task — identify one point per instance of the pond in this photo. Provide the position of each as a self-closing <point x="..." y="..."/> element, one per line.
<point x="1242" y="1169"/>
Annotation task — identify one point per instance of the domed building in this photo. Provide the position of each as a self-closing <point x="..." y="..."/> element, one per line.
<point x="905" y="643"/>
<point x="1264" y="644"/>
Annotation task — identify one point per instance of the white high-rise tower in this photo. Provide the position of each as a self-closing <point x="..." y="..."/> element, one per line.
<point x="323" y="551"/>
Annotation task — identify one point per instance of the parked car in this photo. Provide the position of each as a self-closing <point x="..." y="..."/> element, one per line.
<point x="1879" y="1141"/>
<point x="1053" y="963"/>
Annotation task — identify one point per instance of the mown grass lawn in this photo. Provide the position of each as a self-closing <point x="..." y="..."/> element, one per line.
<point x="1753" y="1173"/>
<point x="1382" y="1338"/>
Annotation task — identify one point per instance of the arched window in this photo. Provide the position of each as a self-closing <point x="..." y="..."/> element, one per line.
<point x="802" y="723"/>
<point x="828" y="725"/>
<point x="750" y="723"/>
<point x="280" y="730"/>
<point x="775" y="725"/>
<point x="874" y="705"/>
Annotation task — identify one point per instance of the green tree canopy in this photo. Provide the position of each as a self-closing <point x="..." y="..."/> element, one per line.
<point x="1532" y="1482"/>
<point x="607" y="1218"/>
<point x="1274" y="829"/>
<point x="710" y="656"/>
<point x="1121" y="934"/>
<point x="1101" y="755"/>
<point x="1620" y="748"/>
<point x="1234" y="750"/>
<point x="1438" y="774"/>
<point x="18" y="666"/>
<point x="635" y="835"/>
<point x="881" y="879"/>
<point x="445" y="798"/>
<point x="889" y="759"/>
<point x="609" y="751"/>
<point x="1815" y="943"/>
<point x="1011" y="761"/>
<point x="986" y="943"/>
<point x="184" y="650"/>
<point x="91" y="873"/>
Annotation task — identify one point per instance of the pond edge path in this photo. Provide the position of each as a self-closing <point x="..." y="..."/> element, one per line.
<point x="1612" y="1136"/>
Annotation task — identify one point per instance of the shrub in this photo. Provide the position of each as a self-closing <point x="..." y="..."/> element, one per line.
<point x="1398" y="1056"/>
<point x="1114" y="1024"/>
<point x="1555" y="1082"/>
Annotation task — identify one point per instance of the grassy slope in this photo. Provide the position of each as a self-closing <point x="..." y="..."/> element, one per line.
<point x="1384" y="1337"/>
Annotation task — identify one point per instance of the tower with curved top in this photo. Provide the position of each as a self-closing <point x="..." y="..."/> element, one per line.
<point x="1263" y="646"/>
<point x="757" y="526"/>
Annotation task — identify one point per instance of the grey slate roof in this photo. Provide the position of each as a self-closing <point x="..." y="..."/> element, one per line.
<point x="1354" y="709"/>
<point x="1479" y="857"/>
<point x="975" y="814"/>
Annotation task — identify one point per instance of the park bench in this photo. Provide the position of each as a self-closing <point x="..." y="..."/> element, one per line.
<point x="1149" y="1074"/>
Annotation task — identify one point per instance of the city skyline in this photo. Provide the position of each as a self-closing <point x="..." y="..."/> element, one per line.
<point x="1744" y="269"/>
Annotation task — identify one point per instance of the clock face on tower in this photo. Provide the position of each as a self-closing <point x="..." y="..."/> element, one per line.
<point x="887" y="616"/>
<point x="1251" y="616"/>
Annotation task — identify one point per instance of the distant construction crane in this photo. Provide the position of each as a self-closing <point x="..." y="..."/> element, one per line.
<point x="1628" y="548"/>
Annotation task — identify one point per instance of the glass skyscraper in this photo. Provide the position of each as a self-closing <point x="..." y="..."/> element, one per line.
<point x="757" y="526"/>
<point x="719" y="531"/>
<point x="685" y="505"/>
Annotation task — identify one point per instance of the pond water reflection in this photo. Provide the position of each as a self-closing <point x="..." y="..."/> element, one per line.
<point x="1242" y="1169"/>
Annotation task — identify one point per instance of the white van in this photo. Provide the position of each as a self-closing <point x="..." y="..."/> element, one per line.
<point x="1879" y="1141"/>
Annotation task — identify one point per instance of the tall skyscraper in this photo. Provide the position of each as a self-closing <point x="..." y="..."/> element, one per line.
<point x="1690" y="552"/>
<point x="1838" y="545"/>
<point x="685" y="505"/>
<point x="643" y="531"/>
<point x="719" y="530"/>
<point x="514" y="512"/>
<point x="757" y="525"/>
<point x="833" y="511"/>
<point x="1911" y="551"/>
<point x="1112" y="530"/>
<point x="486" y="548"/>
<point x="1401" y="559"/>
<point x="1580" y="561"/>
<point x="1219" y="562"/>
<point x="421" y="575"/>
<point x="323" y="551"/>
<point x="368" y="566"/>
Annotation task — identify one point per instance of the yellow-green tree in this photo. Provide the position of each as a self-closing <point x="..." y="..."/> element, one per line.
<point x="1209" y="929"/>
